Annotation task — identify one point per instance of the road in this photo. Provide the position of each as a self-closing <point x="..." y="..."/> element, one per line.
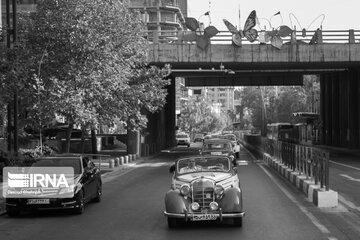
<point x="133" y="204"/>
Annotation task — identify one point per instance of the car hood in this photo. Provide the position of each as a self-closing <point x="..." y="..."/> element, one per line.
<point x="218" y="176"/>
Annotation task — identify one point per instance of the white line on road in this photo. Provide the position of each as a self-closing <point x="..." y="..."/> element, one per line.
<point x="345" y="165"/>
<point x="350" y="178"/>
<point x="313" y="219"/>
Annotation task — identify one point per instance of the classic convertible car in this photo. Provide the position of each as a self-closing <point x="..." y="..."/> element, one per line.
<point x="204" y="188"/>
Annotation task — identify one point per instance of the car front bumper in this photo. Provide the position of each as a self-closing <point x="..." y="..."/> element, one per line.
<point x="56" y="203"/>
<point x="189" y="216"/>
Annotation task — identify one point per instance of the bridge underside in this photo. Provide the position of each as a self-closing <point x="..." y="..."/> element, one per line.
<point x="337" y="65"/>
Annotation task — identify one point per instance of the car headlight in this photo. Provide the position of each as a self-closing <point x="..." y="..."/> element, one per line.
<point x="66" y="190"/>
<point x="195" y="206"/>
<point x="219" y="190"/>
<point x="185" y="190"/>
<point x="214" y="206"/>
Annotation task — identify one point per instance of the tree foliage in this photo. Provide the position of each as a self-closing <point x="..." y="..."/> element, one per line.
<point x="85" y="60"/>
<point x="197" y="117"/>
<point x="275" y="103"/>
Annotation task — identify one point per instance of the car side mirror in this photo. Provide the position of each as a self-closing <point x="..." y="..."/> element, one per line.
<point x="172" y="168"/>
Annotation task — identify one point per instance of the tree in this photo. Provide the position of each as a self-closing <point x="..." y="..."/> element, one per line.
<point x="89" y="63"/>
<point x="197" y="117"/>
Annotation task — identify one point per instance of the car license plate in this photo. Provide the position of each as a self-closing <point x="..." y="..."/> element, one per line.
<point x="216" y="153"/>
<point x="38" y="201"/>
<point x="204" y="217"/>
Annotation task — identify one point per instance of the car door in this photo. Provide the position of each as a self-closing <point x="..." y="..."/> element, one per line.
<point x="89" y="185"/>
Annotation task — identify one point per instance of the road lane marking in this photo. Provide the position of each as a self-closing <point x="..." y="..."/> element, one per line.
<point x="350" y="178"/>
<point x="345" y="165"/>
<point x="313" y="219"/>
<point x="348" y="203"/>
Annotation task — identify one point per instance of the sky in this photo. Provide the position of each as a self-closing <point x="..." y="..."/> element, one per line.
<point x="308" y="14"/>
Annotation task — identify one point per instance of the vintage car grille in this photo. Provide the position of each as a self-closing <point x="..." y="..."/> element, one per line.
<point x="203" y="192"/>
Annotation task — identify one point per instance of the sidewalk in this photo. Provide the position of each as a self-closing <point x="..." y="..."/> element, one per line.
<point x="108" y="172"/>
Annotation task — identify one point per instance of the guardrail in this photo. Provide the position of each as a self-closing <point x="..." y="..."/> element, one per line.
<point x="225" y="37"/>
<point x="309" y="161"/>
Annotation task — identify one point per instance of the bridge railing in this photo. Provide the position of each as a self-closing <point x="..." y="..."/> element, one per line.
<point x="309" y="161"/>
<point x="224" y="37"/>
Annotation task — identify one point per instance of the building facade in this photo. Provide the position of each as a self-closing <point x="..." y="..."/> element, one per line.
<point x="161" y="15"/>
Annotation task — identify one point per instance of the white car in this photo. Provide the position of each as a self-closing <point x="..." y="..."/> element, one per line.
<point x="183" y="139"/>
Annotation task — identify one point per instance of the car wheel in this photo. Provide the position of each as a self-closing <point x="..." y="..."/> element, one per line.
<point x="172" y="222"/>
<point x="237" y="222"/>
<point x="12" y="212"/>
<point x="98" y="193"/>
<point x="80" y="202"/>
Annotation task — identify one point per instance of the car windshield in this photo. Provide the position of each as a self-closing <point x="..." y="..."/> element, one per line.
<point x="217" y="147"/>
<point x="182" y="136"/>
<point x="230" y="137"/>
<point x="60" y="162"/>
<point x="211" y="164"/>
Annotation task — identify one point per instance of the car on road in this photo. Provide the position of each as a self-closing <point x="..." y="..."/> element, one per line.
<point x="204" y="188"/>
<point x="87" y="186"/>
<point x="235" y="142"/>
<point x="183" y="139"/>
<point x="218" y="146"/>
<point x="198" y="138"/>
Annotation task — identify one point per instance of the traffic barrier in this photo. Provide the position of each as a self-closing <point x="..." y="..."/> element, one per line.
<point x="315" y="192"/>
<point x="117" y="162"/>
<point x="130" y="158"/>
<point x="126" y="159"/>
<point x="121" y="160"/>
<point x="111" y="163"/>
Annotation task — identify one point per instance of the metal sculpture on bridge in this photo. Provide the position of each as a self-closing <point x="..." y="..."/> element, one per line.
<point x="275" y="36"/>
<point x="249" y="32"/>
<point x="199" y="34"/>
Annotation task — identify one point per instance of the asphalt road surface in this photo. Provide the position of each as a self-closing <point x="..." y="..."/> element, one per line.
<point x="133" y="204"/>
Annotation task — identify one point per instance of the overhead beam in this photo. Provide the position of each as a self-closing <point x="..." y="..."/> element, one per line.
<point x="259" y="80"/>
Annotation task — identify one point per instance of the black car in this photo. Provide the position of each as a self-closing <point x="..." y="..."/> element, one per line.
<point x="87" y="186"/>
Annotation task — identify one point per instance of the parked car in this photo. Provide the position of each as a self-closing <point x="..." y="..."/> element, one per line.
<point x="182" y="139"/>
<point x="87" y="186"/>
<point x="204" y="188"/>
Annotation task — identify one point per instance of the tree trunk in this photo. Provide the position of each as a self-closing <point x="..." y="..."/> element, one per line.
<point x="93" y="141"/>
<point x="83" y="140"/>
<point x="68" y="137"/>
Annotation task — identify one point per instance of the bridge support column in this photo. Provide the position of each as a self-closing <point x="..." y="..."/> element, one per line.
<point x="343" y="109"/>
<point x="335" y="128"/>
<point x="326" y="115"/>
<point x="170" y="115"/>
<point x="353" y="108"/>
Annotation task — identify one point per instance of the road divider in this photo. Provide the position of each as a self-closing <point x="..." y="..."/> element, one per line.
<point x="319" y="196"/>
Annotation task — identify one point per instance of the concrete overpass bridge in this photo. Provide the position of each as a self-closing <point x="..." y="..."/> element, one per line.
<point x="335" y="58"/>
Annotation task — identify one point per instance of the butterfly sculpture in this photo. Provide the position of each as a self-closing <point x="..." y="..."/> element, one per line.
<point x="275" y="36"/>
<point x="248" y="31"/>
<point x="198" y="34"/>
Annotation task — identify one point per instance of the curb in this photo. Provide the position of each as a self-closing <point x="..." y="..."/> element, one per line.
<point x="113" y="168"/>
<point x="315" y="194"/>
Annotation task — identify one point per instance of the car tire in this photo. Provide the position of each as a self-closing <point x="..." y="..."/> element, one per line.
<point x="172" y="222"/>
<point x="237" y="222"/>
<point x="80" y="201"/>
<point x="98" y="196"/>
<point x="13" y="212"/>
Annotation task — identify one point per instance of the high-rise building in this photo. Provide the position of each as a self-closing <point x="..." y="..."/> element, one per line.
<point x="217" y="96"/>
<point x="161" y="15"/>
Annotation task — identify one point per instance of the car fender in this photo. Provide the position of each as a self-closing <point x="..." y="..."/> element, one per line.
<point x="175" y="202"/>
<point x="231" y="201"/>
